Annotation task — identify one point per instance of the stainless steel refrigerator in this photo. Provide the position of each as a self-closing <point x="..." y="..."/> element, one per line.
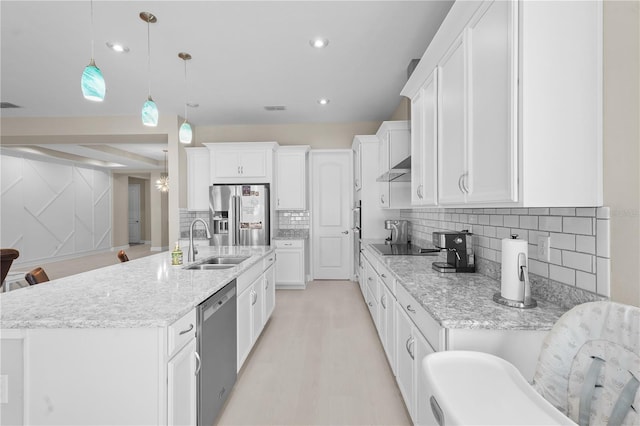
<point x="239" y="215"/>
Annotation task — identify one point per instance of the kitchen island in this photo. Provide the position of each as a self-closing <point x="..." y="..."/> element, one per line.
<point x="116" y="345"/>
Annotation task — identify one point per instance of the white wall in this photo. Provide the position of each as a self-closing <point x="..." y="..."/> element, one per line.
<point x="53" y="209"/>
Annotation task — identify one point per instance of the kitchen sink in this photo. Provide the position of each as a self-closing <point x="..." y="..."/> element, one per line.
<point x="218" y="262"/>
<point x="209" y="267"/>
<point x="224" y="260"/>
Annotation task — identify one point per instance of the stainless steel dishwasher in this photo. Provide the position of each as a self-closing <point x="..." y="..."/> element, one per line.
<point x="216" y="341"/>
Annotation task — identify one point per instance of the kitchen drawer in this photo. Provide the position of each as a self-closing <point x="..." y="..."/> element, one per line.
<point x="268" y="261"/>
<point x="387" y="278"/>
<point x="289" y="243"/>
<point x="423" y="321"/>
<point x="180" y="332"/>
<point x="248" y="277"/>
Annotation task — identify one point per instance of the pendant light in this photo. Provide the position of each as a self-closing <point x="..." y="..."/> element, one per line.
<point x="92" y="81"/>
<point x="149" y="109"/>
<point x="185" y="134"/>
<point x="162" y="184"/>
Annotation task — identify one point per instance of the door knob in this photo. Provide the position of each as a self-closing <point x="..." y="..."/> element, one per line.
<point x="345" y="232"/>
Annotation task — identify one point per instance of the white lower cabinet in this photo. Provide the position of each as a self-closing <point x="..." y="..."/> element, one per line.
<point x="290" y="264"/>
<point x="405" y="359"/>
<point x="255" y="303"/>
<point x="387" y="316"/>
<point x="181" y="379"/>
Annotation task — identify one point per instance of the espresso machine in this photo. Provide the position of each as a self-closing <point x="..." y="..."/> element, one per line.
<point x="459" y="249"/>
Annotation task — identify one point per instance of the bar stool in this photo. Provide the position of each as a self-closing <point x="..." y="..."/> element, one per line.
<point x="7" y="256"/>
<point x="36" y="276"/>
<point x="123" y="256"/>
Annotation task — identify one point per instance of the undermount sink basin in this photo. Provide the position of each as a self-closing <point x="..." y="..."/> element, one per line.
<point x="218" y="262"/>
<point x="224" y="260"/>
<point x="208" y="267"/>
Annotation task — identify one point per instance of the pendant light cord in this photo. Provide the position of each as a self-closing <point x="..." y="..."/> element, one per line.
<point x="92" y="35"/>
<point x="149" y="56"/>
<point x="186" y="90"/>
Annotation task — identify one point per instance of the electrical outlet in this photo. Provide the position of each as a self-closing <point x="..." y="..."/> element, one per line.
<point x="544" y="254"/>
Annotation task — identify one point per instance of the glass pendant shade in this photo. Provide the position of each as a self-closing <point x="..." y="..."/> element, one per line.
<point x="150" y="113"/>
<point x="185" y="134"/>
<point x="93" y="86"/>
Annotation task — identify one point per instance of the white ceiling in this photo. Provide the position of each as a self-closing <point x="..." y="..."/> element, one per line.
<point x="246" y="55"/>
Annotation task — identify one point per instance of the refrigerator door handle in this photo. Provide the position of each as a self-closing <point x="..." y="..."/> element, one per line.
<point x="236" y="219"/>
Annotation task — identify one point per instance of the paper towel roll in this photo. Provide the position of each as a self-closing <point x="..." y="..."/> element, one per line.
<point x="511" y="286"/>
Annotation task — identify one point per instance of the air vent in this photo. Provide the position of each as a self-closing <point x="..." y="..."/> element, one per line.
<point x="275" y="107"/>
<point x="8" y="105"/>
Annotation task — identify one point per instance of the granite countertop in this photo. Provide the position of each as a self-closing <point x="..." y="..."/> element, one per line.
<point x="292" y="234"/>
<point x="464" y="300"/>
<point x="141" y="293"/>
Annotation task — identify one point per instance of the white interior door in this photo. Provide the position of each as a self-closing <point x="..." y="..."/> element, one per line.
<point x="331" y="197"/>
<point x="134" y="213"/>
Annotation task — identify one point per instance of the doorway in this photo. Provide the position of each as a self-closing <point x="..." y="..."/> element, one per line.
<point x="134" y="213"/>
<point x="331" y="201"/>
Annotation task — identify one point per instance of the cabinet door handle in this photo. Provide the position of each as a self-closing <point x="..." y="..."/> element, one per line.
<point x="371" y="304"/>
<point x="255" y="297"/>
<point x="239" y="170"/>
<point x="187" y="330"/>
<point x="266" y="285"/>
<point x="242" y="169"/>
<point x="460" y="183"/>
<point x="357" y="183"/>
<point x="465" y="187"/>
<point x="383" y="275"/>
<point x="382" y="199"/>
<point x="198" y="363"/>
<point x="369" y="279"/>
<point x="382" y="301"/>
<point x="419" y="191"/>
<point x="278" y="201"/>
<point x="409" y="345"/>
<point x="410" y="309"/>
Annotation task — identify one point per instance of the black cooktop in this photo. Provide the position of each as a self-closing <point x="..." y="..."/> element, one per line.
<point x="404" y="250"/>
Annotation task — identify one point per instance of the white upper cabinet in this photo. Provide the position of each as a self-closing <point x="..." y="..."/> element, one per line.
<point x="244" y="162"/>
<point x="393" y="164"/>
<point x="452" y="130"/>
<point x="291" y="178"/>
<point x="198" y="178"/>
<point x="519" y="88"/>
<point x="424" y="138"/>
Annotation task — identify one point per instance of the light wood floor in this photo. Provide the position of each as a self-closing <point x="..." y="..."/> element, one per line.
<point x="318" y="362"/>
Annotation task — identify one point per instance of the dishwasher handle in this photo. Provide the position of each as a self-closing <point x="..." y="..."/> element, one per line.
<point x="215" y="302"/>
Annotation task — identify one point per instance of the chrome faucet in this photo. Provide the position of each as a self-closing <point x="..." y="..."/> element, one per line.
<point x="191" y="256"/>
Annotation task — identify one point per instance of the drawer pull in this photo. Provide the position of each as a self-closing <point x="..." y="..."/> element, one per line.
<point x="199" y="363"/>
<point x="410" y="309"/>
<point x="270" y="259"/>
<point x="409" y="345"/>
<point x="371" y="304"/>
<point x="383" y="275"/>
<point x="187" y="330"/>
<point x="382" y="301"/>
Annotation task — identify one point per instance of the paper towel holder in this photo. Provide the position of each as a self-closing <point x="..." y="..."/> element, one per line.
<point x="527" y="301"/>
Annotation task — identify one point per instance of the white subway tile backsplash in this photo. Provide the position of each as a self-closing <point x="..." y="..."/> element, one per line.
<point x="603" y="240"/>
<point x="539" y="268"/>
<point x="563" y="275"/>
<point x="550" y="223"/>
<point x="576" y="237"/>
<point x="539" y="211"/>
<point x="529" y="222"/>
<point x="586" y="281"/>
<point x="575" y="260"/>
<point x="577" y="225"/>
<point x="603" y="275"/>
<point x="563" y="211"/>
<point x="586" y="244"/>
<point x="511" y="221"/>
<point x="586" y="211"/>
<point x="603" y="213"/>
<point x="563" y="241"/>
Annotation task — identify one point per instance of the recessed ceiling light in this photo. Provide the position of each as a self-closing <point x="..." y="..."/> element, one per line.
<point x="117" y="47"/>
<point x="323" y="101"/>
<point x="319" y="42"/>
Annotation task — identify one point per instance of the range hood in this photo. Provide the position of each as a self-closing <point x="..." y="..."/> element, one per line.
<point x="401" y="172"/>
